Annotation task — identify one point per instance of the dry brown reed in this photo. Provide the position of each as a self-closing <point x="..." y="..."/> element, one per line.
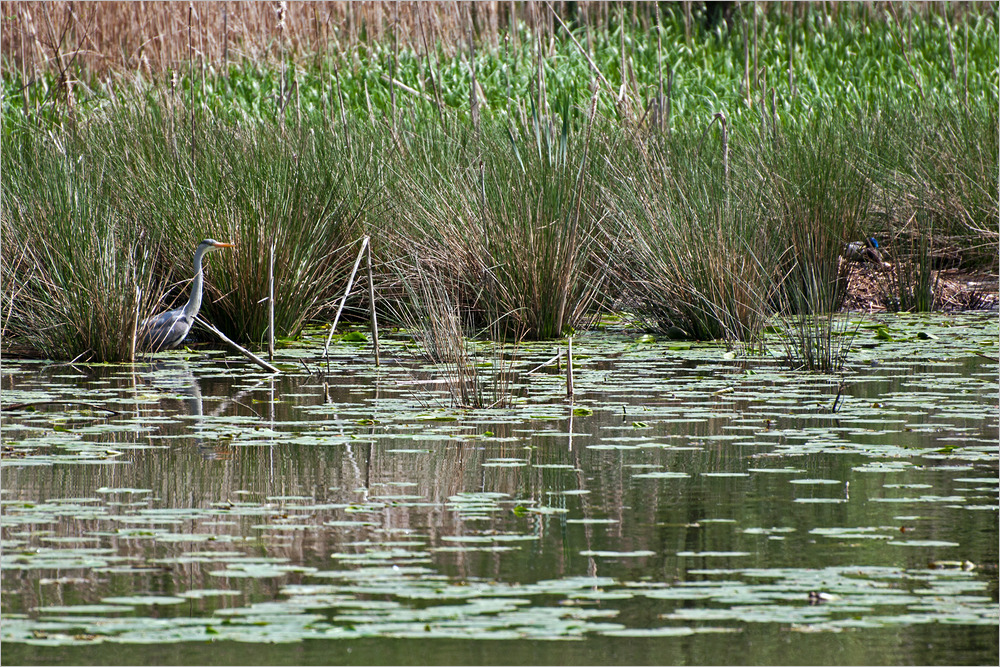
<point x="153" y="37"/>
<point x="97" y="38"/>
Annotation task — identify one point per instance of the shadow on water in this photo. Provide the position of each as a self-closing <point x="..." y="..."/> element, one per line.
<point x="766" y="645"/>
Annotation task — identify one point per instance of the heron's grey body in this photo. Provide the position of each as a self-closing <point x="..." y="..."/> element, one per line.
<point x="169" y="329"/>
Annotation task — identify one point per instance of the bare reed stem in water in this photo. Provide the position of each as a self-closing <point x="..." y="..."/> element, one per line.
<point x="270" y="307"/>
<point x="569" y="368"/>
<point x="347" y="291"/>
<point x="371" y="301"/>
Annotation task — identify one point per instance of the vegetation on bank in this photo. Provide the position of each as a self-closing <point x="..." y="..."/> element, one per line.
<point x="704" y="177"/>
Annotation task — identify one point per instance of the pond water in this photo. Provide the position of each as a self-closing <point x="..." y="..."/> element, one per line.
<point x="688" y="506"/>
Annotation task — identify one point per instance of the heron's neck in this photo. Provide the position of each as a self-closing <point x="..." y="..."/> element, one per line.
<point x="194" y="301"/>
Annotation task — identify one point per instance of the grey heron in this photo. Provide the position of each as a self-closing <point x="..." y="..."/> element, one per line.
<point x="170" y="328"/>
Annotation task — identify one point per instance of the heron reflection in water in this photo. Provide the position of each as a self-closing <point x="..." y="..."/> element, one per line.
<point x="180" y="407"/>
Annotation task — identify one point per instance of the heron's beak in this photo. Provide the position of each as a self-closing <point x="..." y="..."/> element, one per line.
<point x="225" y="245"/>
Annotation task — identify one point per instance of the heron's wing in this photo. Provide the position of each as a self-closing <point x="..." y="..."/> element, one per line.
<point x="164" y="330"/>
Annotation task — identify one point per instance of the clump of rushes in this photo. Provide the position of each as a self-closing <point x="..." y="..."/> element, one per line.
<point x="819" y="197"/>
<point x="511" y="219"/>
<point x="944" y="162"/>
<point x="817" y="342"/>
<point x="77" y="272"/>
<point x="305" y="194"/>
<point x="538" y="215"/>
<point x="688" y="255"/>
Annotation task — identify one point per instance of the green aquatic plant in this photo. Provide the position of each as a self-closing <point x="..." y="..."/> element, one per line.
<point x="817" y="342"/>
<point x="302" y="194"/>
<point x="938" y="164"/>
<point x="538" y="216"/>
<point x="818" y="197"/>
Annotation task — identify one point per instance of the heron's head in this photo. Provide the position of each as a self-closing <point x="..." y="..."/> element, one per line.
<point x="212" y="244"/>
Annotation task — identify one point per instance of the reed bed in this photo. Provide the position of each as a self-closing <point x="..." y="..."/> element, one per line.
<point x="157" y="37"/>
<point x="387" y="58"/>
<point x="535" y="162"/>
